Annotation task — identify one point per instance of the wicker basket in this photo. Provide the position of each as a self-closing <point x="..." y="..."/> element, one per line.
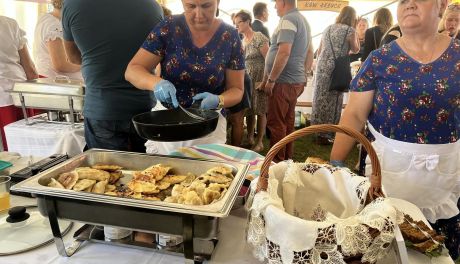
<point x="352" y="222"/>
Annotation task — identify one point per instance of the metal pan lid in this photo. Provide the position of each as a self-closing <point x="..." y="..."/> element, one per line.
<point x="23" y="228"/>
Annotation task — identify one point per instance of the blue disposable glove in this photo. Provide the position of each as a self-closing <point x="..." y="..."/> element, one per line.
<point x="337" y="163"/>
<point x="166" y="92"/>
<point x="209" y="100"/>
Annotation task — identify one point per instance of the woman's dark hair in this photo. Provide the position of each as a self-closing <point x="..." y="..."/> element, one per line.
<point x="258" y="9"/>
<point x="383" y="19"/>
<point x="347" y="16"/>
<point x="244" y="15"/>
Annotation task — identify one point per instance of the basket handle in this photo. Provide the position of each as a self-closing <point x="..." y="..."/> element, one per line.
<point x="376" y="177"/>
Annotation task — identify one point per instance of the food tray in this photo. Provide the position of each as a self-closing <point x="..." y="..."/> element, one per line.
<point x="192" y="222"/>
<point x="136" y="161"/>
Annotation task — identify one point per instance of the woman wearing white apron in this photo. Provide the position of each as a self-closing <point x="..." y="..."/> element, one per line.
<point x="409" y="93"/>
<point x="201" y="58"/>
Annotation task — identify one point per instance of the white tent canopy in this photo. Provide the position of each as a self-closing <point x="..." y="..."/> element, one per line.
<point x="318" y="19"/>
<point x="26" y="12"/>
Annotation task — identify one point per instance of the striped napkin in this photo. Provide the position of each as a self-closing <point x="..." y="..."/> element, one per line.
<point x="223" y="152"/>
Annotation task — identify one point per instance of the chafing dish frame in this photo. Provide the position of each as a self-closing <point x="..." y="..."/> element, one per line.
<point x="59" y="87"/>
<point x="139" y="215"/>
<point x="70" y="99"/>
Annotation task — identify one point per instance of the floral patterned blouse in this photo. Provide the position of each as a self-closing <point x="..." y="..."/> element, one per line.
<point x="413" y="102"/>
<point x="191" y="69"/>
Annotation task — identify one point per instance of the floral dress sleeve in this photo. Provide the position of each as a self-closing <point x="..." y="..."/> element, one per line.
<point x="157" y="39"/>
<point x="236" y="61"/>
<point x="365" y="78"/>
<point x="261" y="39"/>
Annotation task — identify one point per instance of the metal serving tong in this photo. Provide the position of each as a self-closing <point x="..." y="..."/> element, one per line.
<point x="192" y="115"/>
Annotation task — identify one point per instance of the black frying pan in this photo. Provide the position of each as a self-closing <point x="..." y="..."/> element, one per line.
<point x="174" y="124"/>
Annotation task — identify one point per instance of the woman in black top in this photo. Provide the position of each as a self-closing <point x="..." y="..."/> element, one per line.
<point x="361" y="28"/>
<point x="392" y="34"/>
<point x="382" y="22"/>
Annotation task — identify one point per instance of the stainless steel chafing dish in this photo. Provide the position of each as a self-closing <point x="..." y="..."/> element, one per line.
<point x="194" y="222"/>
<point x="59" y="94"/>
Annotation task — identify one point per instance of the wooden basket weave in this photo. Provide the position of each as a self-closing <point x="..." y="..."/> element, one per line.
<point x="375" y="190"/>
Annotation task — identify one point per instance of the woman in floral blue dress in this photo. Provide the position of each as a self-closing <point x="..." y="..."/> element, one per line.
<point x="408" y="91"/>
<point x="201" y="59"/>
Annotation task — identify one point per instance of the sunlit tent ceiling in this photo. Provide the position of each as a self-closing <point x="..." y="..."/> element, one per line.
<point x="319" y="13"/>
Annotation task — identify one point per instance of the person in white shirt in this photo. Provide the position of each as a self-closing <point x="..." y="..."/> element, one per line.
<point x="49" y="53"/>
<point x="15" y="65"/>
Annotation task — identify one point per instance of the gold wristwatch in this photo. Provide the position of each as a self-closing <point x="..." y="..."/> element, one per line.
<point x="221" y="102"/>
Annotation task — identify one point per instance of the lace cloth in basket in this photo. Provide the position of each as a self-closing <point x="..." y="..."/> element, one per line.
<point x="315" y="213"/>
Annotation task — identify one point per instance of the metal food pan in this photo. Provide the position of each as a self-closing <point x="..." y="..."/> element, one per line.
<point x="37" y="184"/>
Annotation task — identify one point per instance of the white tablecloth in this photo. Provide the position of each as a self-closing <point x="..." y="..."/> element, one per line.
<point x="231" y="248"/>
<point x="44" y="139"/>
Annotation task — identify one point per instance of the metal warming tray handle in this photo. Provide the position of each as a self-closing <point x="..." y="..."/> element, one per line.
<point x="52" y="94"/>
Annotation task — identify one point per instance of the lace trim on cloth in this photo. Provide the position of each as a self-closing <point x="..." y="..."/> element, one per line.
<point x="369" y="233"/>
<point x="351" y="235"/>
<point x="324" y="254"/>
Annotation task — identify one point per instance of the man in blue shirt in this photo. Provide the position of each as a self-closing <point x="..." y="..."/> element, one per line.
<point x="103" y="36"/>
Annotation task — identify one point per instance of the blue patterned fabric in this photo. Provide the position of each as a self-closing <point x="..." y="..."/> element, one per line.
<point x="413" y="102"/>
<point x="191" y="69"/>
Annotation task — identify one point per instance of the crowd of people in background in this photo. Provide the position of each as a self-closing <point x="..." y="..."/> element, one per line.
<point x="407" y="86"/>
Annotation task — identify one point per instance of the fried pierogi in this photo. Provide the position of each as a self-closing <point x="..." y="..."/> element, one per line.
<point x="115" y="176"/>
<point x="173" y="179"/>
<point x="84" y="184"/>
<point x="107" y="167"/>
<point x="139" y="176"/>
<point x="55" y="184"/>
<point x="157" y="171"/>
<point x="210" y="196"/>
<point x="222" y="170"/>
<point x="153" y="183"/>
<point x="143" y="187"/>
<point x="110" y="188"/>
<point x="162" y="185"/>
<point x="192" y="198"/>
<point x="92" y="174"/>
<point x="99" y="187"/>
<point x="190" y="178"/>
<point x="207" y="178"/>
<point x="68" y="179"/>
